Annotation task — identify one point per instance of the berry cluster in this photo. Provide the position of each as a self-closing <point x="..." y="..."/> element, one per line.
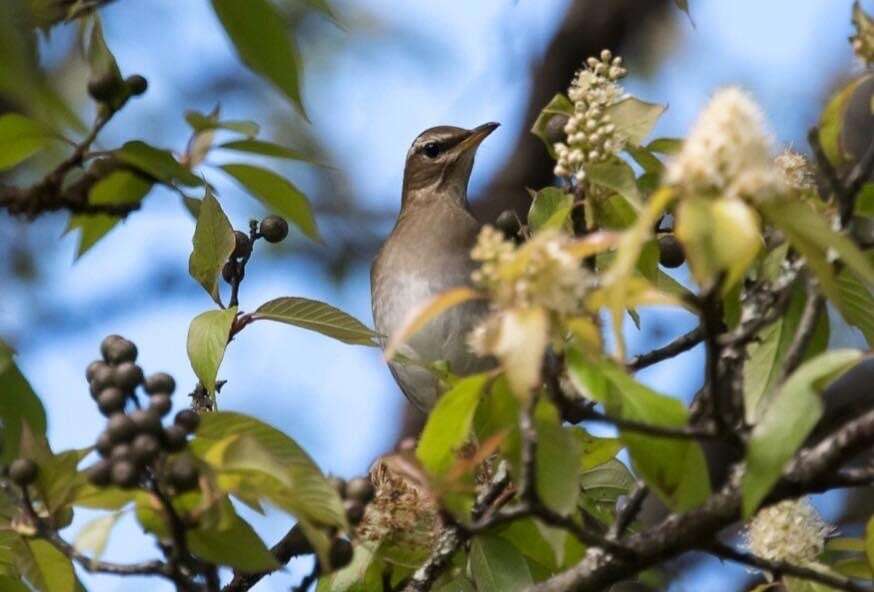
<point x="134" y="442"/>
<point x="272" y="228"/>
<point x="110" y="88"/>
<point x="356" y="494"/>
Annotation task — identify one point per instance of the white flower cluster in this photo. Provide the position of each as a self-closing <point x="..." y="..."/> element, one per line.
<point x="591" y="137"/>
<point x="795" y="170"/>
<point x="790" y="531"/>
<point x="539" y="273"/>
<point x="728" y="151"/>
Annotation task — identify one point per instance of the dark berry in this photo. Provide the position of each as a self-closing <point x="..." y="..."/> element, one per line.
<point x="242" y="245"/>
<point x="160" y="404"/>
<point x="341" y="553"/>
<point x="146" y="422"/>
<point x="102" y="378"/>
<point x="187" y="420"/>
<point x="354" y="511"/>
<point x="183" y="474"/>
<point x="338" y="484"/>
<point x="175" y="438"/>
<point x="121" y="428"/>
<point x="670" y="251"/>
<point x="92" y="369"/>
<point x="100" y="473"/>
<point x="229" y="271"/>
<point x="145" y="448"/>
<point x="555" y="128"/>
<point x="128" y="376"/>
<point x="120" y="452"/>
<point x="136" y="84"/>
<point x="23" y="471"/>
<point x="116" y="349"/>
<point x="104" y="444"/>
<point x="111" y="400"/>
<point x="274" y="229"/>
<point x="102" y="89"/>
<point x="124" y="473"/>
<point x="160" y="382"/>
<point x="508" y="223"/>
<point x="360" y="489"/>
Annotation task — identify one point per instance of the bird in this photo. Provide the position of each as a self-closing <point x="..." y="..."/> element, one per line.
<point x="426" y="253"/>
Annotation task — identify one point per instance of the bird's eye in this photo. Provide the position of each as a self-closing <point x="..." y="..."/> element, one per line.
<point x="431" y="149"/>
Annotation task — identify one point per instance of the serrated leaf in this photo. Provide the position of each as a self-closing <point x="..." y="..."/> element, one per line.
<point x="263" y="42"/>
<point x="19" y="405"/>
<point x="634" y="119"/>
<point x="213" y="242"/>
<point x="550" y="209"/>
<point x="449" y="424"/>
<point x="675" y="469"/>
<point x="207" y="340"/>
<point x="240" y="444"/>
<point x="21" y="138"/>
<point x="317" y="316"/>
<point x="497" y="566"/>
<point x="419" y="317"/>
<point x="93" y="537"/>
<point x="265" y="149"/>
<point x="617" y="175"/>
<point x="277" y="193"/>
<point x="157" y="162"/>
<point x="558" y="105"/>
<point x="787" y="421"/>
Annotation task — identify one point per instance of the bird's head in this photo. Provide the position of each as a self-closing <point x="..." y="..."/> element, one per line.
<point x="439" y="163"/>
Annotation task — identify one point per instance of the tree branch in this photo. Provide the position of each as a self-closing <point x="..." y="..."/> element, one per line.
<point x="681" y="344"/>
<point x="813" y="308"/>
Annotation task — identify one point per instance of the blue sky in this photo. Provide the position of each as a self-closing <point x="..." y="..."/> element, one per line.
<point x="412" y="65"/>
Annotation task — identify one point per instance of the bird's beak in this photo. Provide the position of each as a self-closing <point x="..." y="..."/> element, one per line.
<point x="477" y="135"/>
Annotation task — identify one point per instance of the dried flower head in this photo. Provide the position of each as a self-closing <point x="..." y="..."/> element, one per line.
<point x="401" y="513"/>
<point x="728" y="151"/>
<point x="790" y="531"/>
<point x="591" y="137"/>
<point x="540" y="272"/>
<point x="863" y="39"/>
<point x="795" y="170"/>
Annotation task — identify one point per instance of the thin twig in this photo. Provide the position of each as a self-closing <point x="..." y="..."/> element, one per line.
<point x="679" y="345"/>
<point x="309" y="579"/>
<point x="698" y="432"/>
<point x="626" y="515"/>
<point x="780" y="568"/>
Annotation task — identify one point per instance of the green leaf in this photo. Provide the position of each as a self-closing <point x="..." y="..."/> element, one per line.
<point x="94" y="536"/>
<point x="865" y="201"/>
<point x="201" y="123"/>
<point x="832" y="121"/>
<point x="157" y="162"/>
<point x="317" y="316"/>
<point x="117" y="188"/>
<point x="558" y="461"/>
<point x="594" y="450"/>
<point x="232" y="542"/>
<point x="21" y="138"/>
<point x="787" y="421"/>
<point x="601" y="487"/>
<point x="853" y="568"/>
<point x="213" y="244"/>
<point x="766" y="354"/>
<point x="675" y="468"/>
<point x="869" y="542"/>
<point x="811" y="235"/>
<point x="617" y="175"/>
<point x="265" y="149"/>
<point x="497" y="566"/>
<point x="559" y="105"/>
<point x="259" y="33"/>
<point x="856" y="301"/>
<point x="104" y="69"/>
<point x="449" y="424"/>
<point x="361" y="575"/>
<point x="46" y="568"/>
<point x="277" y="193"/>
<point x="550" y="209"/>
<point x="207" y="340"/>
<point x="19" y="406"/>
<point x="802" y="585"/>
<point x="669" y="146"/>
<point x="243" y="445"/>
<point x="634" y="119"/>
<point x="646" y="159"/>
